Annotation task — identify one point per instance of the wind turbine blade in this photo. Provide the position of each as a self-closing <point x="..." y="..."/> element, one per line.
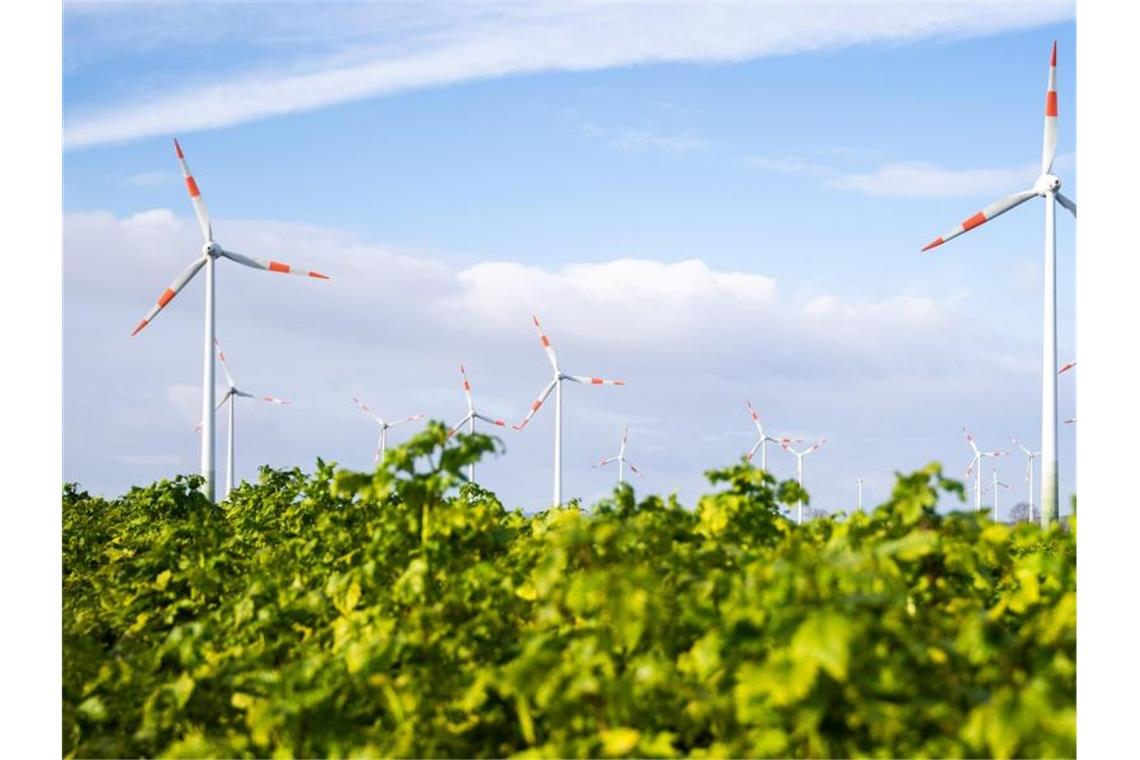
<point x="364" y="408"/>
<point x="817" y="446"/>
<point x="1064" y="201"/>
<point x="592" y="380"/>
<point x="605" y="461"/>
<point x="635" y="470"/>
<point x="456" y="427"/>
<point x="549" y="349"/>
<point x="997" y="208"/>
<point x="752" y="452"/>
<point x="413" y="418"/>
<point x="275" y="400"/>
<point x="467" y="389"/>
<point x="1049" y="141"/>
<point x="485" y="418"/>
<point x="170" y="292"/>
<point x="537" y="404"/>
<point x="1070" y="421"/>
<point x="195" y="195"/>
<point x="1021" y="446"/>
<point x="225" y="367"/>
<point x="970" y="440"/>
<point x="1067" y="367"/>
<point x="225" y="397"/>
<point x="271" y="266"/>
<point x="755" y="417"/>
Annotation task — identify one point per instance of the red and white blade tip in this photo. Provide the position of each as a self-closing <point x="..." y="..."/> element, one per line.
<point x="178" y="149"/>
<point x="1053" y="59"/>
<point x="1067" y="367"/>
<point x="277" y="266"/>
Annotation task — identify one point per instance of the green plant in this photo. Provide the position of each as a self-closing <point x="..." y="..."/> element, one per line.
<point x="405" y="612"/>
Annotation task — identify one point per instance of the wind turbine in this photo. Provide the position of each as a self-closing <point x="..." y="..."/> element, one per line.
<point x="994" y="488"/>
<point x="762" y="440"/>
<point x="1030" y="456"/>
<point x="978" y="456"/>
<point x="382" y="444"/>
<point x="1047" y="186"/>
<point x="231" y="394"/>
<point x="620" y="458"/>
<point x="210" y="252"/>
<point x="556" y="386"/>
<point x="786" y="443"/>
<point x="470" y="418"/>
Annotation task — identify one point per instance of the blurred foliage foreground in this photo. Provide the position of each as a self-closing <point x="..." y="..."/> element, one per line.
<point x="405" y="612"/>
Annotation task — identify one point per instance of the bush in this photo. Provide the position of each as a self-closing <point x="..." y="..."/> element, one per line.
<point x="406" y="612"/>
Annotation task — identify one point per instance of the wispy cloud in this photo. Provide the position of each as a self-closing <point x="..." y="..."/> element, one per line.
<point x="645" y="140"/>
<point x="922" y="179"/>
<point x="436" y="44"/>
<point x="150" y="179"/>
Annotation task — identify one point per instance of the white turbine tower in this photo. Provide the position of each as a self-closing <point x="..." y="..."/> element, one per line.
<point x="382" y="443"/>
<point x="994" y="488"/>
<point x="799" y="455"/>
<point x="469" y="419"/>
<point x="1061" y="371"/>
<point x="860" y="482"/>
<point x="1030" y="456"/>
<point x="620" y="459"/>
<point x="233" y="393"/>
<point x="762" y="439"/>
<point x="1047" y="186"/>
<point x="210" y="252"/>
<point x="977" y="460"/>
<point x="556" y="386"/>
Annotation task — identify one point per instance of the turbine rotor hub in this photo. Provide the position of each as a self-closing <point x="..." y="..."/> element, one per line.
<point x="211" y="249"/>
<point x="1047" y="183"/>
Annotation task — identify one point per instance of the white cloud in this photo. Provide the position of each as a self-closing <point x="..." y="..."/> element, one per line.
<point x="434" y="46"/>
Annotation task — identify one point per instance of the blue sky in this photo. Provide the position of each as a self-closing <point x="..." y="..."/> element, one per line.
<point x="713" y="202"/>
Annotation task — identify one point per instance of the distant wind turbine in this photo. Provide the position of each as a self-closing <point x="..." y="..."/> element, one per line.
<point x="382" y="443"/>
<point x="469" y="419"/>
<point x="762" y="439"/>
<point x="233" y="393"/>
<point x="210" y="251"/>
<point x="1030" y="456"/>
<point x="620" y="458"/>
<point x="1047" y="186"/>
<point x="799" y="455"/>
<point x="977" y="461"/>
<point x="860" y="482"/>
<point x="556" y="386"/>
<point x="994" y="488"/>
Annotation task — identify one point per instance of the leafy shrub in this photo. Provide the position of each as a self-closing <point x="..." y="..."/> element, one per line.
<point x="405" y="612"/>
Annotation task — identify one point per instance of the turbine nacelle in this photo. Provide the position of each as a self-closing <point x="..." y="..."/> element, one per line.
<point x="1047" y="183"/>
<point x="211" y="249"/>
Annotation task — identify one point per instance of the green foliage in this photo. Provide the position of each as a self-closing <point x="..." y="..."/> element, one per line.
<point x="405" y="612"/>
